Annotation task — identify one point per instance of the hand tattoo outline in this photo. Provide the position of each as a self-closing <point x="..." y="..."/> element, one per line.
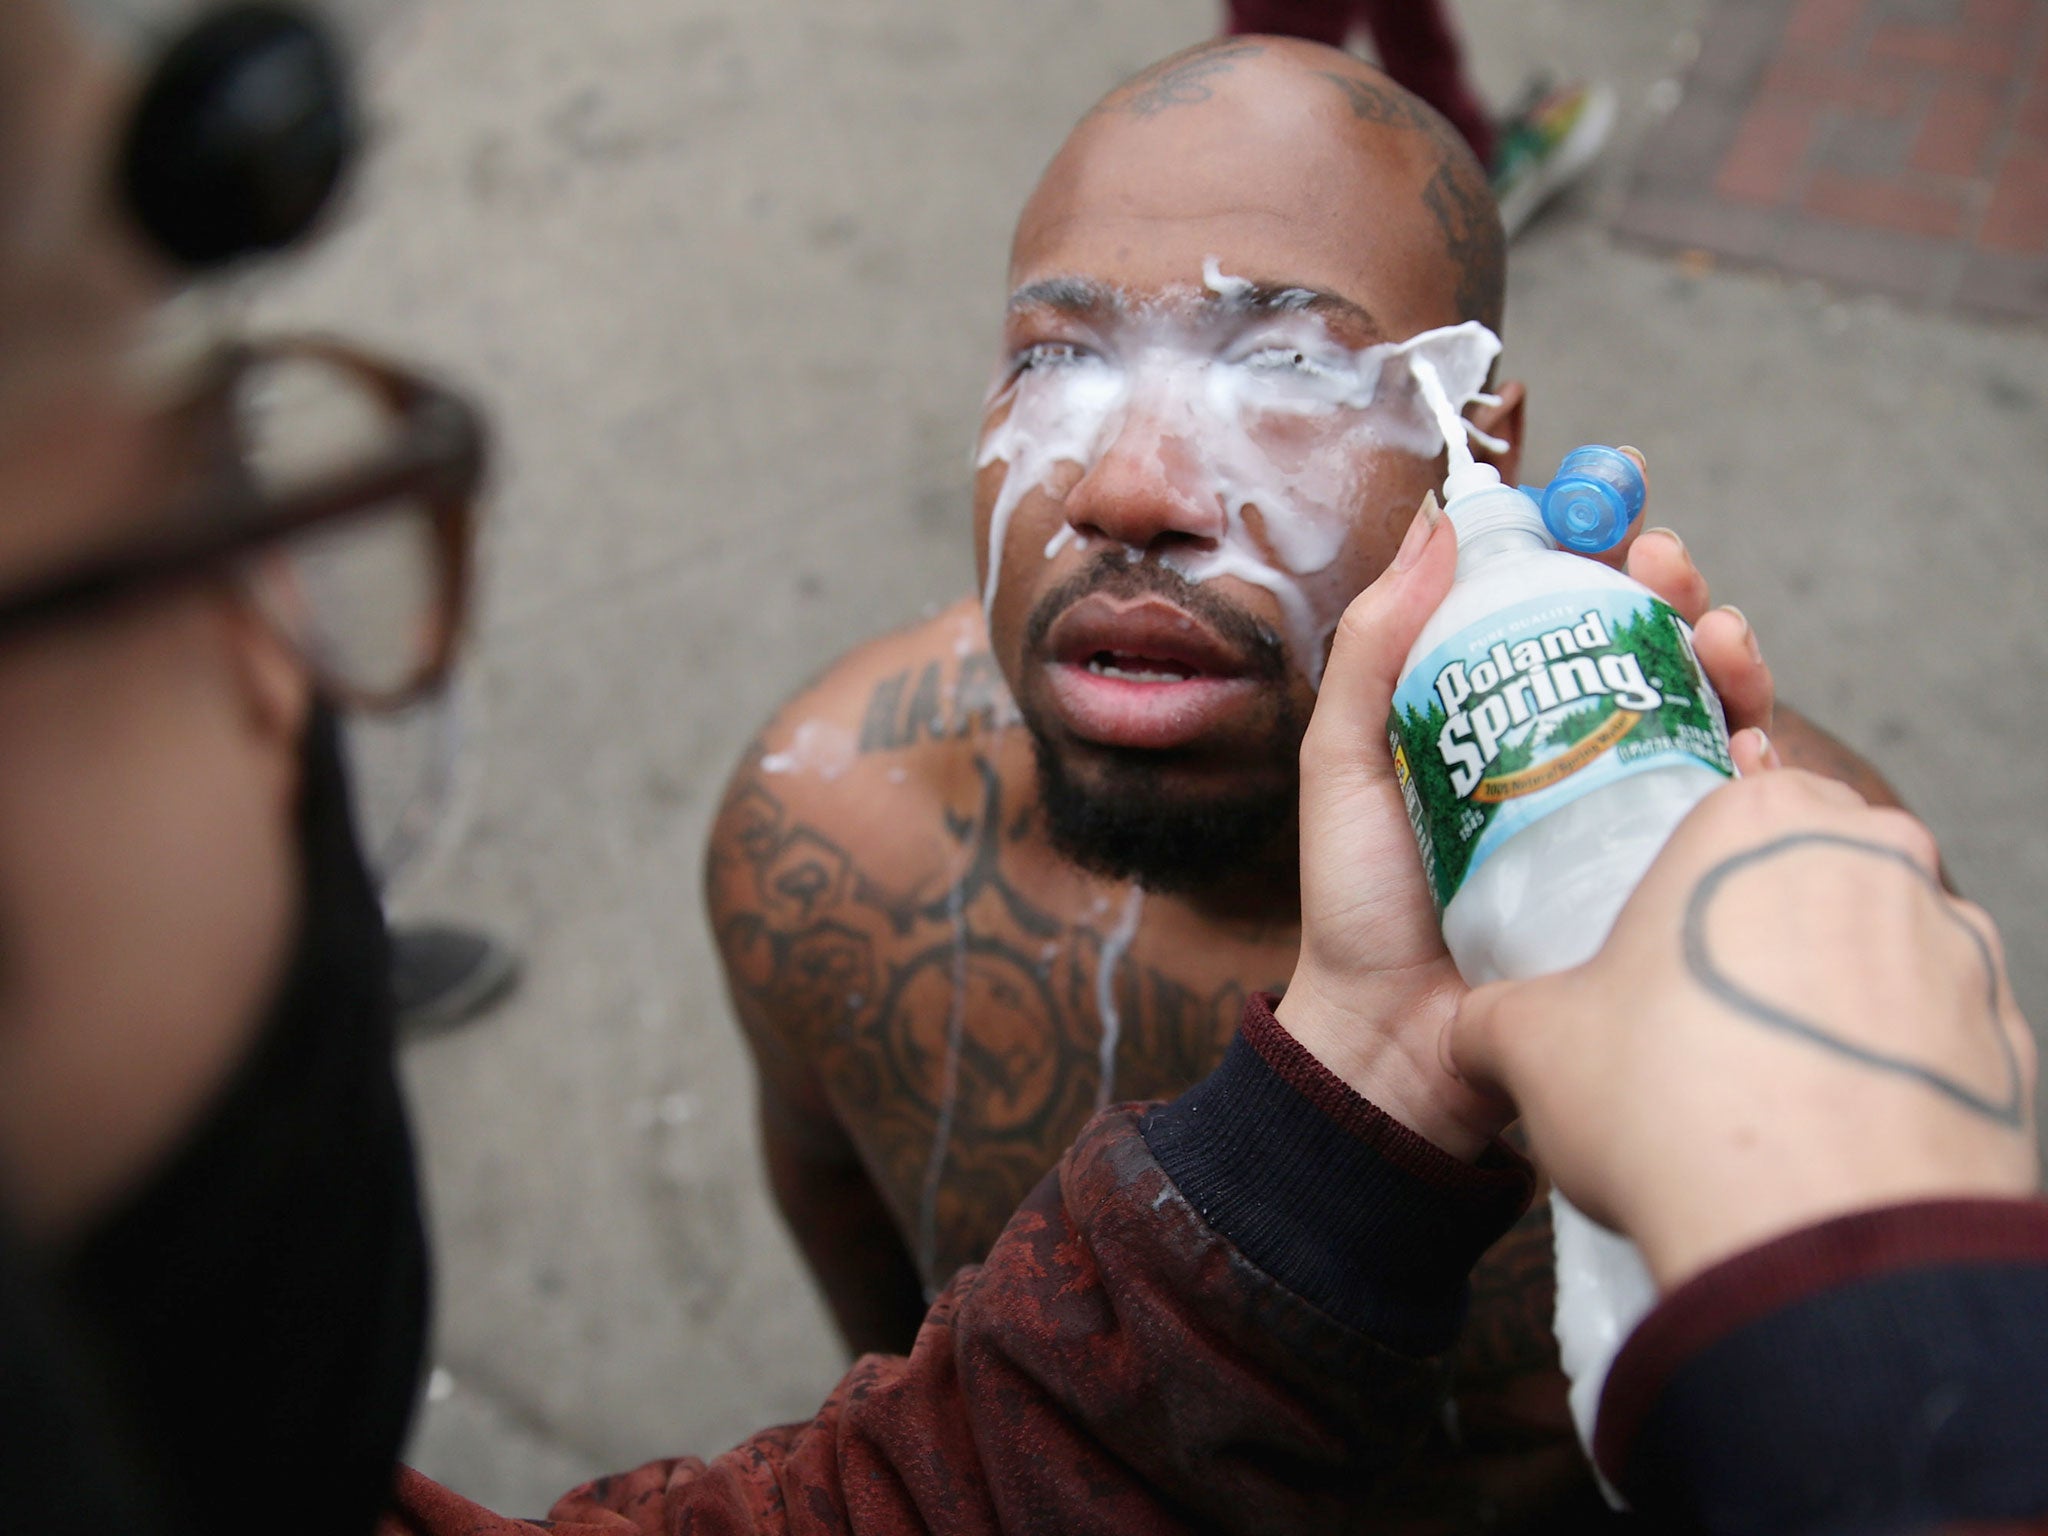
<point x="1718" y="984"/>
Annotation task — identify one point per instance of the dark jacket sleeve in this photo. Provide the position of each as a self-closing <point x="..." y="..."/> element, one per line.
<point x="1226" y="1310"/>
<point x="1884" y="1371"/>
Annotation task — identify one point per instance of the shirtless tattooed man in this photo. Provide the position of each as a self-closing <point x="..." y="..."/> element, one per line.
<point x="1028" y="856"/>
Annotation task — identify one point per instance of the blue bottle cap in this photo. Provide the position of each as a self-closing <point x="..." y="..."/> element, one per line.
<point x="1595" y="496"/>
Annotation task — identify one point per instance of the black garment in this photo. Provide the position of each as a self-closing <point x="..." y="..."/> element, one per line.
<point x="254" y="1319"/>
<point x="1885" y="1371"/>
<point x="63" y="1469"/>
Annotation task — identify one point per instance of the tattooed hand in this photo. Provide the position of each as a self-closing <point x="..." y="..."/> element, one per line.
<point x="1374" y="986"/>
<point x="1792" y="1020"/>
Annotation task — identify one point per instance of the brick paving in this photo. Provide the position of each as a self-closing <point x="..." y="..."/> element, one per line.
<point x="1889" y="146"/>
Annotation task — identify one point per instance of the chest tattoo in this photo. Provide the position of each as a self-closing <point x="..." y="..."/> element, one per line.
<point x="963" y="1031"/>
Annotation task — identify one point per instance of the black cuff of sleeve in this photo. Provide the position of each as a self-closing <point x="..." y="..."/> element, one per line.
<point x="1333" y="1198"/>
<point x="1879" y="1371"/>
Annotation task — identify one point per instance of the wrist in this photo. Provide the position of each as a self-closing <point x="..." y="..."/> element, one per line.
<point x="1385" y="1050"/>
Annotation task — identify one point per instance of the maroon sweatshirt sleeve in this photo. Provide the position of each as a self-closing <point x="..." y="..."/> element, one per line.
<point x="1246" y="1341"/>
<point x="1883" y="1371"/>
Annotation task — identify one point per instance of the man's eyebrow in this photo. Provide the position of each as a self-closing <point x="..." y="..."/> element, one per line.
<point x="1273" y="298"/>
<point x="1069" y="295"/>
<point x="1084" y="296"/>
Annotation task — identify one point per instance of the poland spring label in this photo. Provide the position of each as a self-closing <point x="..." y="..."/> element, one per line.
<point x="1537" y="705"/>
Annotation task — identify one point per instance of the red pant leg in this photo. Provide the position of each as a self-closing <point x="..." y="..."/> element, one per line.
<point x="1418" y="45"/>
<point x="1321" y="21"/>
<point x="1417" y="42"/>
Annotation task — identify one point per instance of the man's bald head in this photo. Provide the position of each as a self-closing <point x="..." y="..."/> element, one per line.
<point x="1306" y="157"/>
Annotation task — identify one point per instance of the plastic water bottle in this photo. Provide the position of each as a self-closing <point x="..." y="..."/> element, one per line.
<point x="1551" y="728"/>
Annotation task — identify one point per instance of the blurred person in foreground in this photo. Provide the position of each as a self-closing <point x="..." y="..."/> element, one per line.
<point x="212" y="1275"/>
<point x="997" y="869"/>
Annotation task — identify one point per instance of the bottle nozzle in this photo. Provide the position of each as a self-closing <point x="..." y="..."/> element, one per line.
<point x="1469" y="479"/>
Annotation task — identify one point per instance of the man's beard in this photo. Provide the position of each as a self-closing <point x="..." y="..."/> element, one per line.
<point x="1116" y="817"/>
<point x="1122" y="827"/>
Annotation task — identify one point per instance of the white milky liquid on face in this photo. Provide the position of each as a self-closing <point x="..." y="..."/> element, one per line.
<point x="1046" y="427"/>
<point x="1221" y="283"/>
<point x="1268" y="508"/>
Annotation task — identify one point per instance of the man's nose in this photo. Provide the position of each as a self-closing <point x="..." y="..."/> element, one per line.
<point x="1148" y="486"/>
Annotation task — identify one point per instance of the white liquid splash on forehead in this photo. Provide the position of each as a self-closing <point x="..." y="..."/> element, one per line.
<point x="1221" y="283"/>
<point x="1218" y="402"/>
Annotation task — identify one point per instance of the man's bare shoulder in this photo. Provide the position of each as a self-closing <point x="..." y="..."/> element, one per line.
<point x="870" y="755"/>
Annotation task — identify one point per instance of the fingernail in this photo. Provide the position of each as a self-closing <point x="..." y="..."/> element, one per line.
<point x="1749" y="640"/>
<point x="1766" y="751"/>
<point x="1427" y="518"/>
<point x="1634" y="453"/>
<point x="1672" y="535"/>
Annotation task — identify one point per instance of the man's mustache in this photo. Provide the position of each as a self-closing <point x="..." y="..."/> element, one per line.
<point x="1111" y="574"/>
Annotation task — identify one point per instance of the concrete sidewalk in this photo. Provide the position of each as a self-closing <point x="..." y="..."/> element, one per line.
<point x="728" y="273"/>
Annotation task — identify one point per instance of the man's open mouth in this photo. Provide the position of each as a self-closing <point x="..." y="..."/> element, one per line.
<point x="1138" y="669"/>
<point x="1144" y="672"/>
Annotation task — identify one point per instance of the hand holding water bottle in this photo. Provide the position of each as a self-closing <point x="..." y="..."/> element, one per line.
<point x="1792" y="1020"/>
<point x="1374" y="986"/>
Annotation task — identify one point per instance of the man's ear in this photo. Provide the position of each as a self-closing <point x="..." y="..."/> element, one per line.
<point x="1503" y="421"/>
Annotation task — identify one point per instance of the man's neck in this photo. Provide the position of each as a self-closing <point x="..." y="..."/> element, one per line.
<point x="1263" y="893"/>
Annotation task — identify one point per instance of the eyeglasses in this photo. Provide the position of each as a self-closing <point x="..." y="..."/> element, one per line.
<point x="344" y="506"/>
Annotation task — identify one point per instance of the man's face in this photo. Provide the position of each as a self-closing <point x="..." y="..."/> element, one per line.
<point x="148" y="784"/>
<point x="1203" y="442"/>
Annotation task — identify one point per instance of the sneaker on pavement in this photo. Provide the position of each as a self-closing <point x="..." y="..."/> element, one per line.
<point x="442" y="975"/>
<point x="1546" y="144"/>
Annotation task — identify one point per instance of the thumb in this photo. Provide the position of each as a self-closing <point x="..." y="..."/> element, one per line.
<point x="1477" y="1040"/>
<point x="1372" y="641"/>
